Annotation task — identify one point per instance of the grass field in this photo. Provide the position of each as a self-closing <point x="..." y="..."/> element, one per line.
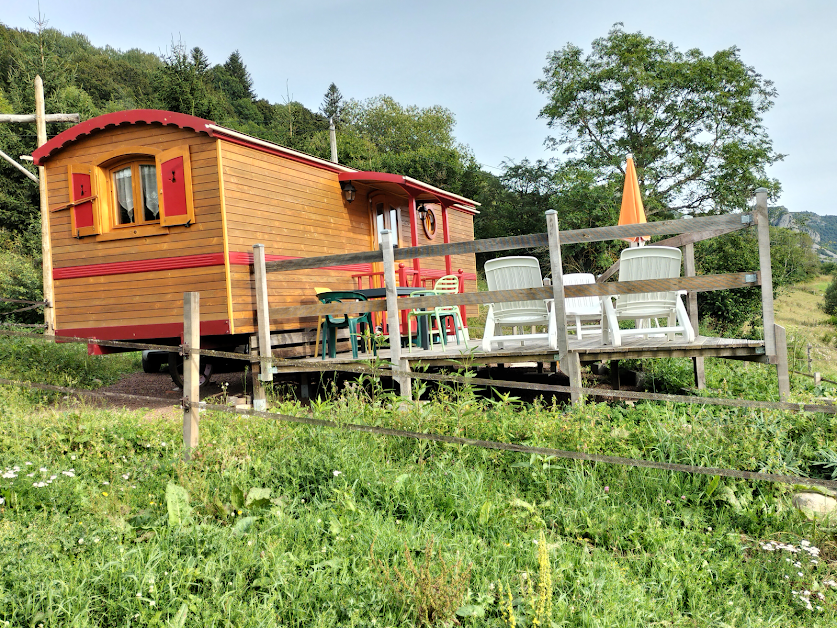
<point x="798" y="309"/>
<point x="280" y="524"/>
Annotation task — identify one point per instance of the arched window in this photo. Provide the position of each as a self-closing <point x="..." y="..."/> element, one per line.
<point x="145" y="189"/>
<point x="132" y="192"/>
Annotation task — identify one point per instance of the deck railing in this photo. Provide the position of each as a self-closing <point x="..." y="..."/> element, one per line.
<point x="685" y="231"/>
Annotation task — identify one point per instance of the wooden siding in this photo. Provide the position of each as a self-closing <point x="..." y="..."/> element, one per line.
<point x="295" y="210"/>
<point x="147" y="297"/>
<point x="461" y="227"/>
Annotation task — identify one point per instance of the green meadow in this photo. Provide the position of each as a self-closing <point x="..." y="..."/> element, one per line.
<point x="280" y="524"/>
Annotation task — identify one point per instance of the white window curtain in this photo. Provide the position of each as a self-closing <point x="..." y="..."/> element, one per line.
<point x="124" y="194"/>
<point x="148" y="178"/>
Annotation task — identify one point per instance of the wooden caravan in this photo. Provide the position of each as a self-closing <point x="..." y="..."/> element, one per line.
<point x="146" y="205"/>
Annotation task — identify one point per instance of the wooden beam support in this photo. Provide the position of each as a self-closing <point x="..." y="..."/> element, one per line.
<point x="723" y="223"/>
<point x="19" y="167"/>
<point x="191" y="371"/>
<point x="71" y="118"/>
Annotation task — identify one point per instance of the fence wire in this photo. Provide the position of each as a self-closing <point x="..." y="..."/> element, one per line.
<point x="387" y="370"/>
<point x="458" y="440"/>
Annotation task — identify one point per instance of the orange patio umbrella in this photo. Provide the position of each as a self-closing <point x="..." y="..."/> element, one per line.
<point x="632" y="213"/>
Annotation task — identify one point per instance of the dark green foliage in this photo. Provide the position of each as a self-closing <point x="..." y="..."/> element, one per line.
<point x="181" y="84"/>
<point x="792" y="260"/>
<point x="693" y="122"/>
<point x="20" y="278"/>
<point x="828" y="268"/>
<point x="515" y="204"/>
<point x="830" y="301"/>
<point x="233" y="79"/>
<point x="332" y="102"/>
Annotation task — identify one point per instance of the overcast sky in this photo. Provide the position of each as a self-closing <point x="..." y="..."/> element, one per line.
<point x="480" y="59"/>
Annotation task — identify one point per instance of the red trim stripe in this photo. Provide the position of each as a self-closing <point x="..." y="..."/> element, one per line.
<point x="158" y="331"/>
<point x="139" y="266"/>
<point x="176" y="263"/>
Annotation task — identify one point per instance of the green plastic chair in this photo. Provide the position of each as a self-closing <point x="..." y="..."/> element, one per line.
<point x="332" y="323"/>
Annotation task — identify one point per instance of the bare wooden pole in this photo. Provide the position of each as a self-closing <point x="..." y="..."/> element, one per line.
<point x="697" y="362"/>
<point x="766" y="271"/>
<point x="259" y="392"/>
<point x="191" y="371"/>
<point x="18" y="166"/>
<point x="332" y="138"/>
<point x="72" y="118"/>
<point x="46" y="245"/>
<point x="569" y="364"/>
<point x="262" y="317"/>
<point x="392" y="310"/>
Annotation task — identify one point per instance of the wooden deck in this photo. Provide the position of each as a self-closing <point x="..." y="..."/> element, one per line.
<point x="588" y="350"/>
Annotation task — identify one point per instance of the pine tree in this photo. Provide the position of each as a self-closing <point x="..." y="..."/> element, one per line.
<point x="200" y="60"/>
<point x="332" y="102"/>
<point x="239" y="83"/>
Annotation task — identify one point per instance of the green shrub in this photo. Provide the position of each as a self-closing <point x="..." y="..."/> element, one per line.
<point x="830" y="302"/>
<point x="791" y="259"/>
<point x="828" y="268"/>
<point x="20" y="278"/>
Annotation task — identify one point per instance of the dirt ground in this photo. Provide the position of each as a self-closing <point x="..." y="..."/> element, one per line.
<point x="161" y="386"/>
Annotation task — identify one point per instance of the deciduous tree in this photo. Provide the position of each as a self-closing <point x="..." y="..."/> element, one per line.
<point x="692" y="121"/>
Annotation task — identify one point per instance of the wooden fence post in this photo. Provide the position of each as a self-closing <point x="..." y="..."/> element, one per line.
<point x="697" y="362"/>
<point x="782" y="362"/>
<point x="570" y="364"/>
<point x="763" y="226"/>
<point x="392" y="310"/>
<point x="775" y="347"/>
<point x="262" y="316"/>
<point x="191" y="371"/>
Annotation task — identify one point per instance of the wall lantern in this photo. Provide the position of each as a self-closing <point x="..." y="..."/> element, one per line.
<point x="348" y="190"/>
<point x="428" y="219"/>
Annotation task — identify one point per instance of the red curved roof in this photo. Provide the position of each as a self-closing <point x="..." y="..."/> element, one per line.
<point x="118" y="118"/>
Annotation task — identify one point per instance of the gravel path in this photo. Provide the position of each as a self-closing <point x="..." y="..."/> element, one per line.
<point x="160" y="385"/>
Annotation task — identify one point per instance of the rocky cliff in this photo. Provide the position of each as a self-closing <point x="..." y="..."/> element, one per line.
<point x="822" y="229"/>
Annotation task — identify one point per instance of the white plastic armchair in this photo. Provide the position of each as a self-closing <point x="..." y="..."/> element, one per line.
<point x="582" y="309"/>
<point x="647" y="262"/>
<point x="513" y="273"/>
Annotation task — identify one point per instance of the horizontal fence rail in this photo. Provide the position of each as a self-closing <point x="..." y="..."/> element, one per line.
<point x="724" y="224"/>
<point x="677" y="241"/>
<point x="457" y="440"/>
<point x="703" y="283"/>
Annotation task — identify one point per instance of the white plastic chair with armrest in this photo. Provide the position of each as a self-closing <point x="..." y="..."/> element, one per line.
<point x="513" y="273"/>
<point x="647" y="262"/>
<point x="582" y="309"/>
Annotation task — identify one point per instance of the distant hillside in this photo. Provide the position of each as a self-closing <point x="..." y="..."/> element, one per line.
<point x="822" y="229"/>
